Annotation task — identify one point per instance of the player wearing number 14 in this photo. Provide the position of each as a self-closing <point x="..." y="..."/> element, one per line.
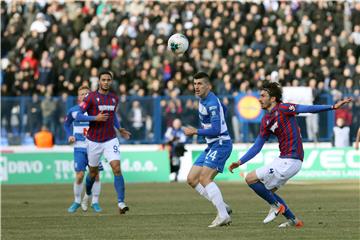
<point x="212" y="160"/>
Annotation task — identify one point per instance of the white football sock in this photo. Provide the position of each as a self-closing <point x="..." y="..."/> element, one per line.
<point x="78" y="188"/>
<point x="216" y="198"/>
<point x="96" y="192"/>
<point x="201" y="190"/>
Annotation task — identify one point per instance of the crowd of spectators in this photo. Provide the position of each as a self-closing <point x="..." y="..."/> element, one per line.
<point x="51" y="48"/>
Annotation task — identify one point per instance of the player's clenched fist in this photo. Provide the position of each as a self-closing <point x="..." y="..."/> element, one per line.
<point x="233" y="166"/>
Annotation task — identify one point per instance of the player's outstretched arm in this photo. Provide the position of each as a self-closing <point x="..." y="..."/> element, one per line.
<point x="341" y="103"/>
<point x="321" y="108"/>
<point x="252" y="152"/>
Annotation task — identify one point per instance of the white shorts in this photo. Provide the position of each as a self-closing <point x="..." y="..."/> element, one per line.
<point x="110" y="149"/>
<point x="276" y="174"/>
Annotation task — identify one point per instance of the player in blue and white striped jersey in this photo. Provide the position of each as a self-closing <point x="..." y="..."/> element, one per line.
<point x="76" y="132"/>
<point x="212" y="160"/>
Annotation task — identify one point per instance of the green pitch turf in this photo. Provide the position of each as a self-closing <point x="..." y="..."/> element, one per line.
<point x="330" y="210"/>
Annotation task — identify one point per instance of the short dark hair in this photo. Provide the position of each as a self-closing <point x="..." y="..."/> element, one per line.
<point x="200" y="75"/>
<point x="106" y="72"/>
<point x="274" y="89"/>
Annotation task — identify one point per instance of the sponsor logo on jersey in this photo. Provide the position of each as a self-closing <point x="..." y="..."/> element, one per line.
<point x="106" y="107"/>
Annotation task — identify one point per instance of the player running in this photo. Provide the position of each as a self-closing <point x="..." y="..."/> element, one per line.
<point x="212" y="160"/>
<point x="101" y="136"/>
<point x="279" y="121"/>
<point x="76" y="131"/>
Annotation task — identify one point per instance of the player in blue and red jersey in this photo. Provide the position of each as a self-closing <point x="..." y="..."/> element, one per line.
<point x="101" y="136"/>
<point x="76" y="131"/>
<point x="279" y="121"/>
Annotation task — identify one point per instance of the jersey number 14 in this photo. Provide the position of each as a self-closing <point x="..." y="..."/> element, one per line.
<point x="211" y="154"/>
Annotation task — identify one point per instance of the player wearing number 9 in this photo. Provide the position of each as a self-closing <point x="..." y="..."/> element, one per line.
<point x="76" y="132"/>
<point x="212" y="160"/>
<point x="101" y="137"/>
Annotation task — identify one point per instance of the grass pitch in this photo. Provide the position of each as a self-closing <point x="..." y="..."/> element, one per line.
<point x="330" y="210"/>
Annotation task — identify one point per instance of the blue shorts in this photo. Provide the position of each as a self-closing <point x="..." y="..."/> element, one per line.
<point x="81" y="161"/>
<point x="215" y="155"/>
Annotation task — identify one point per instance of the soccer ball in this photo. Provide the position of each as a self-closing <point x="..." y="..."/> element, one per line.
<point x="178" y="43"/>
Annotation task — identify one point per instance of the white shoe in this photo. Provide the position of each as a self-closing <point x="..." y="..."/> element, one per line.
<point x="292" y="223"/>
<point x="273" y="213"/>
<point x="215" y="220"/>
<point x="85" y="202"/>
<point x="123" y="208"/>
<point x="218" y="222"/>
<point x="228" y="210"/>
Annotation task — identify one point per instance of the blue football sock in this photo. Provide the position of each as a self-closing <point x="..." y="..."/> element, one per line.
<point x="119" y="187"/>
<point x="89" y="184"/>
<point x="288" y="214"/>
<point x="260" y="189"/>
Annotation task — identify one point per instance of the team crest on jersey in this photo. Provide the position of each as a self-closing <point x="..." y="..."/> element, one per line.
<point x="113" y="99"/>
<point x="292" y="108"/>
<point x="98" y="99"/>
<point x="274" y="127"/>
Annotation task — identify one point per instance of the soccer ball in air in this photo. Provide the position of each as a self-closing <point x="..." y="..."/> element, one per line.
<point x="178" y="43"/>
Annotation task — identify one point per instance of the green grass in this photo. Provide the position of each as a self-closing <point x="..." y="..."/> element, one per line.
<point x="330" y="210"/>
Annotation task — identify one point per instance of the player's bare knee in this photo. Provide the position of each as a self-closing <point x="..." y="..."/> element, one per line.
<point x="116" y="170"/>
<point x="115" y="166"/>
<point x="79" y="177"/>
<point x="204" y="180"/>
<point x="192" y="181"/>
<point x="251" y="178"/>
<point x="93" y="172"/>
